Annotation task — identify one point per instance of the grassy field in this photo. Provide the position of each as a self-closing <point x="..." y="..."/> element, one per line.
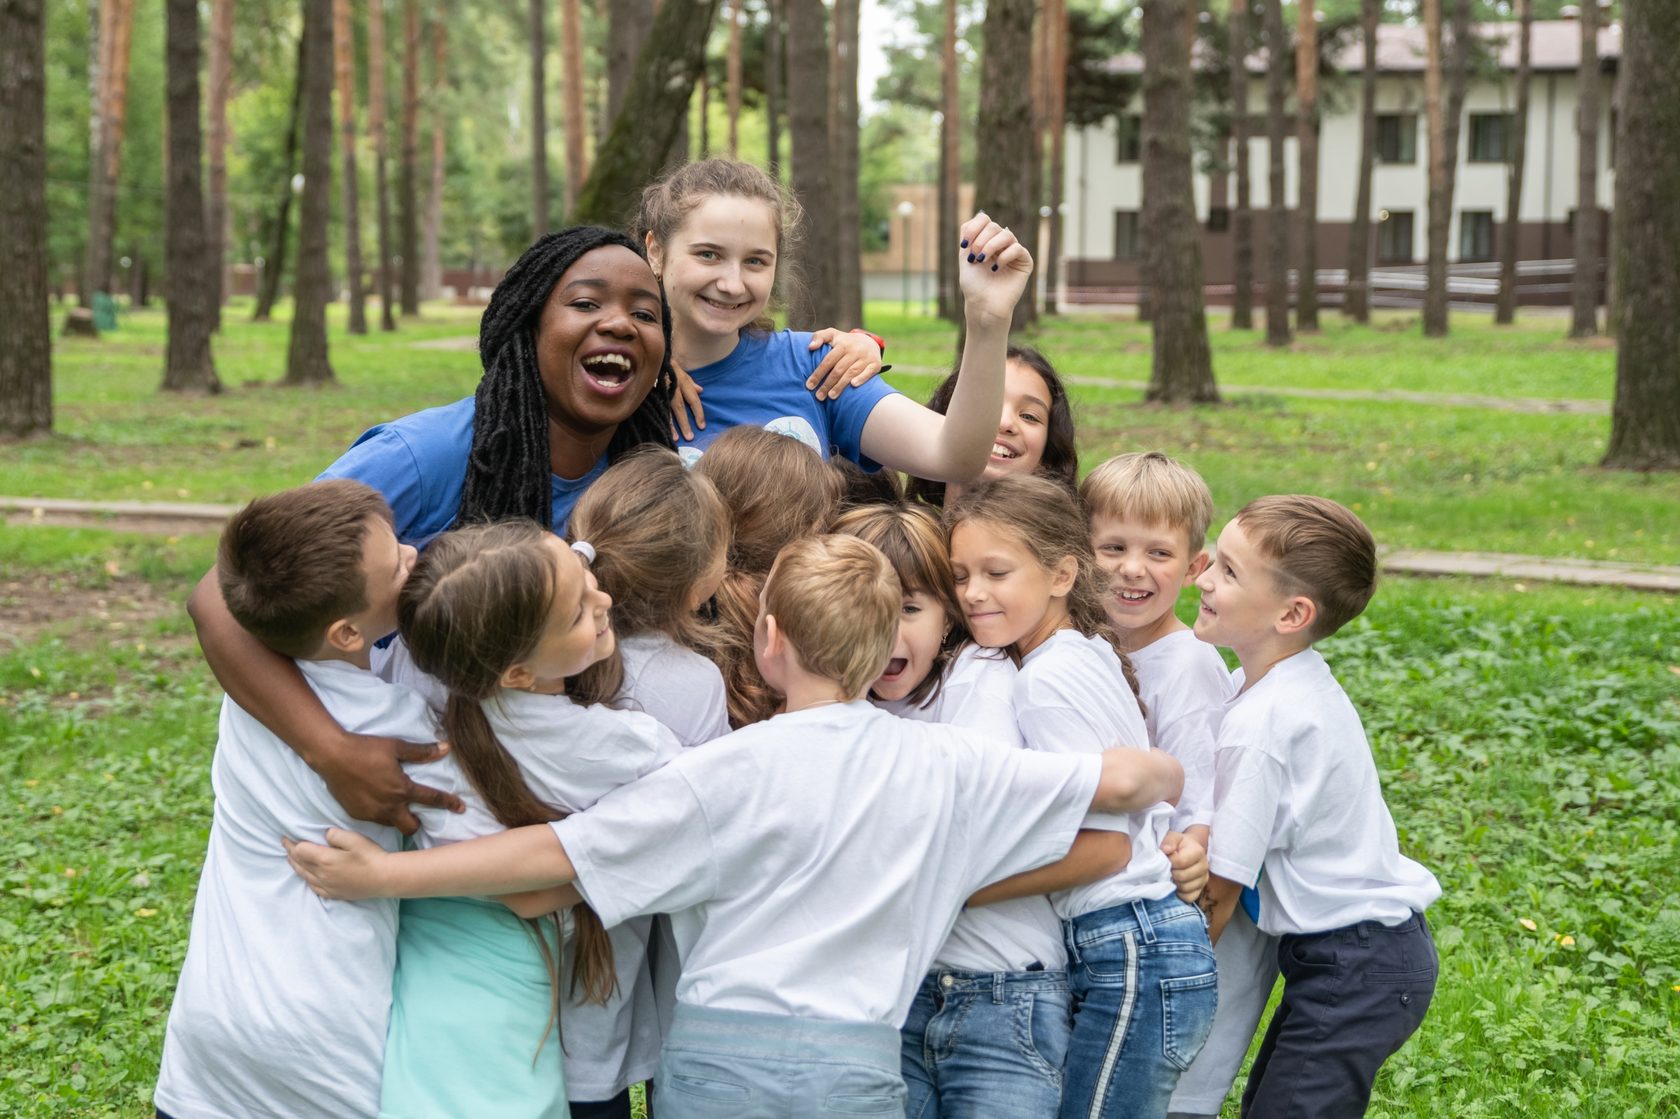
<point x="1529" y="739"/>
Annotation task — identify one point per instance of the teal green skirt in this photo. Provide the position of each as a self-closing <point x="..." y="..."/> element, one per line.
<point x="470" y="1001"/>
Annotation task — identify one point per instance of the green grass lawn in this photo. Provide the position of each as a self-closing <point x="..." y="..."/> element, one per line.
<point x="1529" y="739"/>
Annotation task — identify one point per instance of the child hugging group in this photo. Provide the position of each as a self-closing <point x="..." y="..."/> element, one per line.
<point x="767" y="784"/>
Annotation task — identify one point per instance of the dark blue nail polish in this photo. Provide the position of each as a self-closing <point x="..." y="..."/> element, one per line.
<point x="994" y="268"/>
<point x="982" y="257"/>
<point x="971" y="258"/>
<point x="965" y="242"/>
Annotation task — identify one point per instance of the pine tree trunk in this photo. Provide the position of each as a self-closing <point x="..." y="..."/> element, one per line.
<point x="1645" y="420"/>
<point x="1443" y="150"/>
<point x="571" y="94"/>
<point x="1005" y="178"/>
<point x="1055" y="15"/>
<point x="646" y="126"/>
<point x="1583" y="322"/>
<point x="1182" y="368"/>
<point x="275" y="266"/>
<point x="843" y="131"/>
<point x="627" y="28"/>
<point x="188" y="365"/>
<point x="1356" y="298"/>
<point x="1277" y="229"/>
<point x="306" y="357"/>
<point x="1242" y="217"/>
<point x="408" y="167"/>
<point x="732" y="94"/>
<point x="1306" y="131"/>
<point x="813" y="179"/>
<point x="217" y="220"/>
<point x="1506" y="311"/>
<point x="26" y="357"/>
<point x="381" y="189"/>
<point x="539" y="118"/>
<point x="431" y="267"/>
<point x="775" y="41"/>
<point x="950" y="169"/>
<point x="116" y="25"/>
<point x="345" y="69"/>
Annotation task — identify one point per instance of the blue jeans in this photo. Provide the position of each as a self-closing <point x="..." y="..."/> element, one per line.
<point x="1145" y="987"/>
<point x="986" y="1045"/>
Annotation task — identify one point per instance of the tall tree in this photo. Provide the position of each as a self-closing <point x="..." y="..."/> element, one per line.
<point x="431" y="266"/>
<point x="1583" y="319"/>
<point x="381" y="190"/>
<point x="1306" y="150"/>
<point x="1006" y="170"/>
<point x="1444" y="112"/>
<point x="116" y="33"/>
<point x="26" y="357"/>
<point x="813" y="179"/>
<point x="188" y="366"/>
<point x="571" y="96"/>
<point x="306" y="356"/>
<point x="627" y="28"/>
<point x="408" y="165"/>
<point x="732" y="91"/>
<point x="1055" y="38"/>
<point x="217" y="222"/>
<point x="1242" y="218"/>
<point x="275" y="265"/>
<point x="539" y="117"/>
<point x="646" y="127"/>
<point x="1356" y="297"/>
<point x="344" y="67"/>
<point x="1645" y="419"/>
<point x="843" y="138"/>
<point x="1277" y="229"/>
<point x="1182" y="366"/>
<point x="775" y="40"/>
<point x="950" y="167"/>
<point x="1506" y="310"/>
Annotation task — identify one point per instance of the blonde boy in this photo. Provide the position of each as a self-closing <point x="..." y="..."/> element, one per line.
<point x="812" y="864"/>
<point x="1299" y="813"/>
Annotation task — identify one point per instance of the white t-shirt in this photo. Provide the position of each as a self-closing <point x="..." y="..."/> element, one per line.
<point x="275" y="977"/>
<point x="1184" y="684"/>
<point x="813" y="863"/>
<point x="1071" y="697"/>
<point x="1297" y="794"/>
<point x="1011" y="935"/>
<point x="571" y="756"/>
<point x="676" y="685"/>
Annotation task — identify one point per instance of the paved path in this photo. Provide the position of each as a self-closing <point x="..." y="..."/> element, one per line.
<point x="177" y="517"/>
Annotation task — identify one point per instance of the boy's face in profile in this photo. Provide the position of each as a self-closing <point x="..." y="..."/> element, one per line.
<point x="1147" y="565"/>
<point x="1241" y="602"/>
<point x="385" y="567"/>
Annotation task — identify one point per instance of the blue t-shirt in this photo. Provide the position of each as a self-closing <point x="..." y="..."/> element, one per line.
<point x="762" y="383"/>
<point x="419" y="464"/>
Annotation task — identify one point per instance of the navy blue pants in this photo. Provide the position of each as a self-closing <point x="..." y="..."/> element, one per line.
<point x="1351" y="998"/>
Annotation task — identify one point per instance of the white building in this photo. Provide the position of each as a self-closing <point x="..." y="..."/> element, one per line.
<point x="1104" y="177"/>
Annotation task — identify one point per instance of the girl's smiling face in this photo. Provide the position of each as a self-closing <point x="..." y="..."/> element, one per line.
<point x="718" y="269"/>
<point x="1008" y="597"/>
<point x="1023" y="427"/>
<point x="599" y="340"/>
<point x="579" y="630"/>
<point x="922" y="626"/>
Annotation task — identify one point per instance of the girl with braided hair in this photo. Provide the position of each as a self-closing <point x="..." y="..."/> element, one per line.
<point x="576" y="351"/>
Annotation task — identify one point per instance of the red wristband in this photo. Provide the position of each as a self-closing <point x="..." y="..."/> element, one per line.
<point x="876" y="338"/>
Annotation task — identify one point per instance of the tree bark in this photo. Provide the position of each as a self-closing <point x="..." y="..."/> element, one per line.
<point x="818" y="304"/>
<point x="1005" y="179"/>
<point x="217" y="221"/>
<point x="1242" y="216"/>
<point x="774" y="42"/>
<point x="275" y="266"/>
<point x="26" y="357"/>
<point x="116" y="31"/>
<point x="732" y="92"/>
<point x="1277" y="231"/>
<point x="1055" y="15"/>
<point x="1182" y="367"/>
<point x="571" y="95"/>
<point x="1645" y="419"/>
<point x="646" y="126"/>
<point x="950" y="169"/>
<point x="539" y="118"/>
<point x="843" y="134"/>
<point x="381" y="190"/>
<point x="306" y="356"/>
<point x="1356" y="297"/>
<point x="1583" y="322"/>
<point x="345" y="69"/>
<point x="188" y="365"/>
<point x="627" y="27"/>
<point x="408" y="167"/>
<point x="1306" y="148"/>
<point x="1443" y="150"/>
<point x="431" y="267"/>
<point x="1506" y="309"/>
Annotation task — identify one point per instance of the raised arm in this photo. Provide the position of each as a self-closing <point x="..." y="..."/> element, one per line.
<point x="510" y="862"/>
<point x="363" y="773"/>
<point x="903" y="435"/>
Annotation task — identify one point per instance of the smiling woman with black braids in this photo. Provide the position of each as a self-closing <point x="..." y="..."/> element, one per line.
<point x="575" y="346"/>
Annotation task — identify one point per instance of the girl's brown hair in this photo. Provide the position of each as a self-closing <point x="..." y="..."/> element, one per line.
<point x="477" y="603"/>
<point x="1047" y="518"/>
<point x="915" y="545"/>
<point x="776" y="490"/>
<point x="667" y="202"/>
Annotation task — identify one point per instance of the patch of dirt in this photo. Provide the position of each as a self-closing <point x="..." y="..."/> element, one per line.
<point x="88" y="617"/>
<point x="116" y="522"/>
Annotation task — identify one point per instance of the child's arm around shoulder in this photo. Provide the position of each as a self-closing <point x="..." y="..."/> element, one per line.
<point x="352" y="867"/>
<point x="1133" y="780"/>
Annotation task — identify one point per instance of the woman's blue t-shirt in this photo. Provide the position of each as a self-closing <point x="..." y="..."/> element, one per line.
<point x="762" y="383"/>
<point x="419" y="464"/>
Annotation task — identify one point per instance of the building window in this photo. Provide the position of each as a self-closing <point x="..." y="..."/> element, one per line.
<point x="1125" y="235"/>
<point x="1490" y="137"/>
<point x="1218" y="219"/>
<point x="1475" y="235"/>
<point x="1128" y="138"/>
<point x="1397" y="138"/>
<point x="1394" y="237"/>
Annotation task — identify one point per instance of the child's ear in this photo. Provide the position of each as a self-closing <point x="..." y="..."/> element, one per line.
<point x="519" y="677"/>
<point x="656" y="258"/>
<point x="344" y="637"/>
<point x="1063" y="575"/>
<point x="1299" y="614"/>
<point x="1197" y="566"/>
<point x="775" y="641"/>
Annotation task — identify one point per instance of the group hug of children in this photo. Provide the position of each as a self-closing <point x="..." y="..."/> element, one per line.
<point x="793" y="795"/>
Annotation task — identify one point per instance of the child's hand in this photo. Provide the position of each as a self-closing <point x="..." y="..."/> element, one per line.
<point x="1189" y="864"/>
<point x="365" y="774"/>
<point x="684" y="401"/>
<point x="851" y="360"/>
<point x="348" y="869"/>
<point x="992" y="270"/>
